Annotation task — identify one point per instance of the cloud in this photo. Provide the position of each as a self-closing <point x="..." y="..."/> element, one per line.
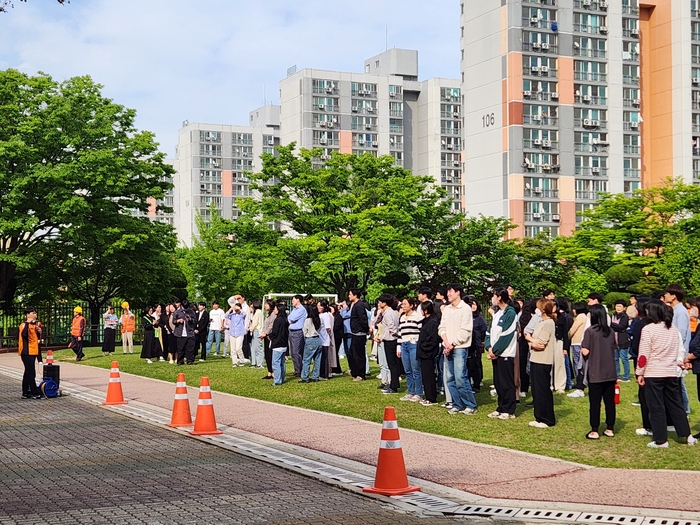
<point x="212" y="61"/>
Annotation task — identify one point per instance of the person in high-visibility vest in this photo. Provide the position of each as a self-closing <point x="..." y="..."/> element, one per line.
<point x="28" y="350"/>
<point x="77" y="332"/>
<point x="128" y="322"/>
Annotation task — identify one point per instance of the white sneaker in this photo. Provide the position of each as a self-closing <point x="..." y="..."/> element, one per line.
<point x="454" y="411"/>
<point x="202" y="360"/>
<point x="538" y="424"/>
<point x="149" y="361"/>
<point x="576" y="393"/>
<point x="652" y="444"/>
<point x="172" y="362"/>
<point x="494" y="415"/>
<point x="407" y="397"/>
<point x="470" y="411"/>
<point x="692" y="441"/>
<point x="416" y="398"/>
<point x="493" y="392"/>
<point x="161" y="359"/>
<point x="523" y="394"/>
<point x="506" y="416"/>
<point x="643" y="432"/>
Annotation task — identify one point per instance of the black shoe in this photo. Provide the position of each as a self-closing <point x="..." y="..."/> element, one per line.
<point x="303" y="381"/>
<point x="26" y="396"/>
<point x="383" y="386"/>
<point x="697" y="436"/>
<point x="267" y="377"/>
<point x="39" y="396"/>
<point x="314" y="380"/>
<point x="79" y="358"/>
<point x="530" y="405"/>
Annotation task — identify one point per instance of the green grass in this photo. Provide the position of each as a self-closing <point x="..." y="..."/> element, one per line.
<point x="362" y="400"/>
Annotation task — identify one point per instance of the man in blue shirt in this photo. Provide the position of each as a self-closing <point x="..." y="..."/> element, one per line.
<point x="673" y="297"/>
<point x="296" y="320"/>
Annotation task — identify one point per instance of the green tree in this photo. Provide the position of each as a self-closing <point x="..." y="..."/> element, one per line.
<point x="539" y="267"/>
<point x="584" y="282"/>
<point x="68" y="158"/>
<point x="348" y="223"/>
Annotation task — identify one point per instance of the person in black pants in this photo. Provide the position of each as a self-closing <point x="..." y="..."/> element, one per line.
<point x="359" y="328"/>
<point x="337" y="336"/>
<point x="29" y="352"/>
<point x="427" y="350"/>
<point x="201" y="331"/>
<point x="475" y="367"/>
<point x="265" y="335"/>
<point x="185" y="321"/>
<point x="598" y="349"/>
<point x="386" y="333"/>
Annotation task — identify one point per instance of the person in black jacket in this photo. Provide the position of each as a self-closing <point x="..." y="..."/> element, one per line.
<point x="279" y="339"/>
<point x="635" y="332"/>
<point x="201" y="331"/>
<point x="562" y="326"/>
<point x="359" y="328"/>
<point x="619" y="324"/>
<point x="475" y="366"/>
<point x="426" y="352"/>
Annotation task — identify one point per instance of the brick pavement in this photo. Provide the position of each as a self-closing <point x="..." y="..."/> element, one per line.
<point x="64" y="461"/>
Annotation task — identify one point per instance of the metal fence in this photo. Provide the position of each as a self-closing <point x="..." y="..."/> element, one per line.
<point x="56" y="326"/>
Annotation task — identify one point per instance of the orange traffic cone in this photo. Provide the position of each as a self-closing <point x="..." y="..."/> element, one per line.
<point x="49" y="357"/>
<point x="204" y="421"/>
<point x="390" y="478"/>
<point x="181" y="407"/>
<point x="115" y="396"/>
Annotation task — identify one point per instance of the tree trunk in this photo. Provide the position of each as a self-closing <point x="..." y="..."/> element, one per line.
<point x="8" y="285"/>
<point x="95" y="310"/>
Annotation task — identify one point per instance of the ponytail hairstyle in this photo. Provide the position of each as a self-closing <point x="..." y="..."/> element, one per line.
<point x="599" y="318"/>
<point x="547" y="307"/>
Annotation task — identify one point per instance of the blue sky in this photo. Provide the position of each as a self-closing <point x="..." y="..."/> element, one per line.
<point x="211" y="60"/>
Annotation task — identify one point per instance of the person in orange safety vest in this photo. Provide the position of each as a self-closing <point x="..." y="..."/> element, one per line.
<point x="28" y="350"/>
<point x="128" y="322"/>
<point x="77" y="332"/>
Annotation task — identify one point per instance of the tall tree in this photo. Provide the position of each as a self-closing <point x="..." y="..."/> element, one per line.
<point x="68" y="157"/>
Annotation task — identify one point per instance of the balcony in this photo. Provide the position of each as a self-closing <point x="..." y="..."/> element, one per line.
<point x="452" y="146"/>
<point x="540" y="144"/>
<point x="696" y="128"/>
<point x="450" y="114"/>
<point x="363" y="127"/>
<point x="540" y="95"/>
<point x="591" y="53"/>
<point x="591" y="171"/>
<point x="540" y="2"/>
<point x="590" y="123"/>
<point x="539" y="47"/>
<point x="588" y="195"/>
<point x="696" y="151"/>
<point x="540" y="168"/>
<point x="325" y="90"/>
<point x="590" y="100"/>
<point x="538" y="24"/>
<point x="632" y="80"/>
<point x="443" y="131"/>
<point x="326" y="107"/>
<point x="586" y="147"/>
<point x="451" y="180"/>
<point x="393" y="95"/>
<point x="630" y="126"/>
<point x="326" y="142"/>
<point x="630" y="149"/>
<point x="630" y="10"/>
<point x="536" y="71"/>
<point x="631" y="102"/>
<point x="630" y="57"/>
<point x="590" y="76"/>
<point x="541" y="217"/>
<point x="363" y="93"/>
<point x="244" y="142"/>
<point x="396" y="113"/>
<point x="631" y="173"/>
<point x="696" y="174"/>
<point x="454" y="164"/>
<point x="395" y="146"/>
<point x="630" y="33"/>
<point x="695" y="36"/>
<point x="537" y="120"/>
<point x="396" y="129"/>
<point x="541" y="192"/>
<point x="586" y="28"/>
<point x="592" y="6"/>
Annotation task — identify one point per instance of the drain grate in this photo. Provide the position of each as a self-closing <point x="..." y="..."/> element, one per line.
<point x="548" y="514"/>
<point x="425" y="501"/>
<point x="590" y="517"/>
<point x="484" y="510"/>
<point x="666" y="521"/>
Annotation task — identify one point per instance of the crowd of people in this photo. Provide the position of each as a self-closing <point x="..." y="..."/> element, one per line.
<point x="544" y="346"/>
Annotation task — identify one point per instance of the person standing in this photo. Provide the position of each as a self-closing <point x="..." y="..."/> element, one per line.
<point x="576" y="332"/>
<point x="279" y="340"/>
<point x="296" y="335"/>
<point x="661" y="356"/>
<point x="110" y="330"/>
<point x="184" y="321"/>
<point x="165" y="332"/>
<point x="236" y="333"/>
<point x="387" y="335"/>
<point x="598" y="348"/>
<point x="328" y="358"/>
<point x="542" y="345"/>
<point x="148" y="350"/>
<point x="620" y="323"/>
<point x="29" y="351"/>
<point x="456" y="326"/>
<point x="201" y="331"/>
<point x="172" y="340"/>
<point x="501" y="345"/>
<point x="265" y="336"/>
<point x="409" y="329"/>
<point x="254" y="329"/>
<point x="427" y="350"/>
<point x="673" y="297"/>
<point x="475" y="367"/>
<point x="77" y="332"/>
<point x="128" y="322"/>
<point x="359" y="328"/>
<point x="312" y="346"/>
<point x="338" y="333"/>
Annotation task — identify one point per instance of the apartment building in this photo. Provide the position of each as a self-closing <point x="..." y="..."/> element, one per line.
<point x="212" y="162"/>
<point x="155" y="206"/>
<point x="383" y="110"/>
<point x="567" y="99"/>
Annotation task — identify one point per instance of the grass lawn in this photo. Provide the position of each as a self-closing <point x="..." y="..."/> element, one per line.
<point x="362" y="400"/>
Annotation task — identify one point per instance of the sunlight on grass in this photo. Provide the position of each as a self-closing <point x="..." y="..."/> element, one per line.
<point x="362" y="400"/>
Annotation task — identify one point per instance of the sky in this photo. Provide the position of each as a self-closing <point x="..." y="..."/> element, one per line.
<point x="214" y="61"/>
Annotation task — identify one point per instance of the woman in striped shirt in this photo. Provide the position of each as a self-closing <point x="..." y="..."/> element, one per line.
<point x="659" y="365"/>
<point x="409" y="330"/>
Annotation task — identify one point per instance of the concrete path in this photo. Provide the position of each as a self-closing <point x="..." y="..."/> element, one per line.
<point x="482" y="470"/>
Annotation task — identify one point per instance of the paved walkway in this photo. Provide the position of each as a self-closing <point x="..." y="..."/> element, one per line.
<point x="64" y="461"/>
<point x="481" y="470"/>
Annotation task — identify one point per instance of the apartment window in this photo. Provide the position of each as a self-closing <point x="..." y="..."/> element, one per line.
<point x="629" y="27"/>
<point x="582" y="208"/>
<point x="534" y="231"/>
<point x="326" y="104"/>
<point x="630" y="144"/>
<point x="630" y="50"/>
<point x="630" y="74"/>
<point x="630" y="120"/>
<point x="590" y="165"/>
<point x="630" y="7"/>
<point x="395" y="125"/>
<point x="589" y="70"/>
<point x="242" y="138"/>
<point x="590" y="94"/>
<point x="631" y="97"/>
<point x="538" y="17"/>
<point x="213" y="150"/>
<point x="325" y="86"/>
<point x="396" y="141"/>
<point x="590" y="47"/>
<point x="450" y="94"/>
<point x="590" y="141"/>
<point x="396" y="109"/>
<point x="209" y="136"/>
<point x="589" y="23"/>
<point x="632" y="167"/>
<point x="209" y="176"/>
<point x="630" y="186"/>
<point x="362" y="89"/>
<point x="541" y="187"/>
<point x="590" y="189"/>
<point x="396" y="92"/>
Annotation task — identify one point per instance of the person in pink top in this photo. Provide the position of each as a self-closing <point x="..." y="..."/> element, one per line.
<point x="659" y="365"/>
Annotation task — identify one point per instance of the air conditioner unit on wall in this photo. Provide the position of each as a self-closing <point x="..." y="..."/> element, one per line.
<point x="634" y="125"/>
<point x="556" y="217"/>
<point x="555" y="95"/>
<point x="545" y="46"/>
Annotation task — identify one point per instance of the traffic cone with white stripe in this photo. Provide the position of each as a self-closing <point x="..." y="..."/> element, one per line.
<point x="204" y="421"/>
<point x="182" y="417"/>
<point x="49" y="357"/>
<point x="115" y="396"/>
<point x="390" y="478"/>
